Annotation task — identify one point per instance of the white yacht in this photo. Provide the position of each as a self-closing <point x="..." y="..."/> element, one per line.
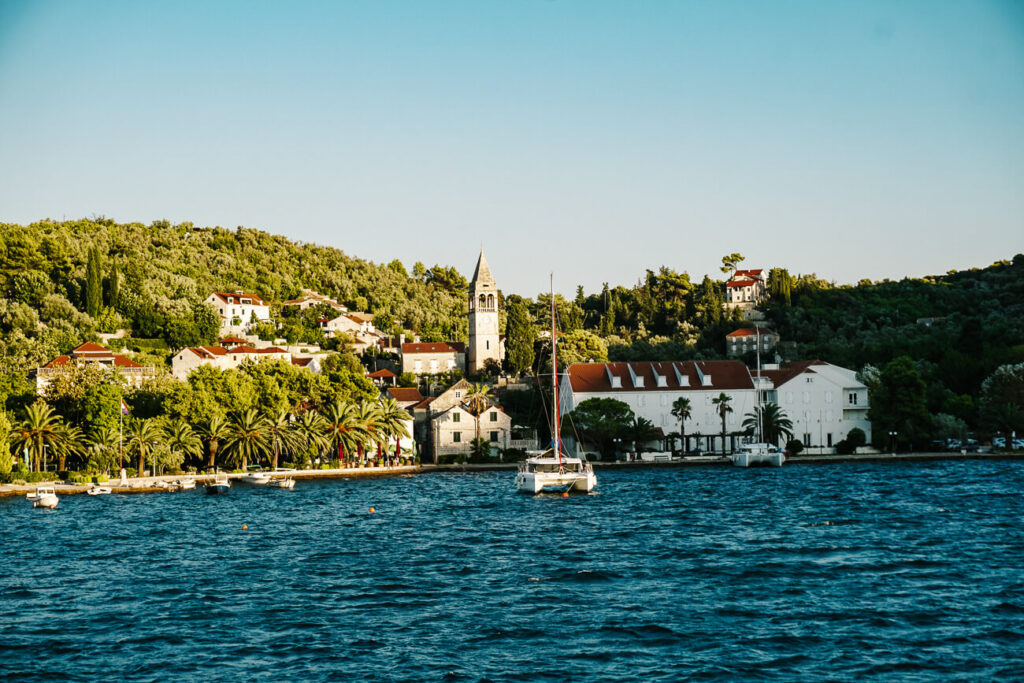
<point x="256" y="478"/>
<point x="44" y="497"/>
<point x="754" y="454"/>
<point x="551" y="470"/>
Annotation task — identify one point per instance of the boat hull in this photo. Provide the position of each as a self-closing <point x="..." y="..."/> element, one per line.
<point x="537" y="482"/>
<point x="216" y="489"/>
<point x="743" y="459"/>
<point x="48" y="501"/>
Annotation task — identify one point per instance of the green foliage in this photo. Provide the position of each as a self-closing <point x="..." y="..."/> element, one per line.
<point x="93" y="283"/>
<point x="519" y="335"/>
<point x="408" y="379"/>
<point x="731" y="262"/>
<point x="898" y="404"/>
<point x="6" y="460"/>
<point x="601" y="421"/>
<point x="794" y="446"/>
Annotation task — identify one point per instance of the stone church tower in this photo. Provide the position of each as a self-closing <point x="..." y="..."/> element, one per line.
<point x="483" y="318"/>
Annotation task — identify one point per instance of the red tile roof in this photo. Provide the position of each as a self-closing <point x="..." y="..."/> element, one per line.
<point x="739" y="283"/>
<point x="382" y="374"/>
<point x="59" y="361"/>
<point x="428" y="347"/>
<point x="725" y="375"/>
<point x="232" y="340"/>
<point x="790" y="370"/>
<point x="89" y="347"/>
<point x="256" y="300"/>
<point x="422" y="405"/>
<point x="122" y="362"/>
<point x="749" y="273"/>
<point x="747" y="332"/>
<point x="270" y="349"/>
<point x="301" y="362"/>
<point x="405" y="394"/>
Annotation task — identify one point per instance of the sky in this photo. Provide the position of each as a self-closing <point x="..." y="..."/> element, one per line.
<point x="591" y="139"/>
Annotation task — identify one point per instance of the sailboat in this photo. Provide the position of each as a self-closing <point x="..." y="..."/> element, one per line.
<point x="551" y="470"/>
<point x="760" y="453"/>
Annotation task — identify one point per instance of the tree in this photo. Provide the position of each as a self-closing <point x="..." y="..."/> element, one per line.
<point x="478" y="397"/>
<point x="780" y="285"/>
<point x="311" y="433"/>
<point x="601" y="421"/>
<point x="216" y="431"/>
<point x="640" y="432"/>
<point x="93" y="283"/>
<point x="722" y="402"/>
<point x="774" y="424"/>
<point x="6" y="461"/>
<point x="393" y="421"/>
<point x="681" y="410"/>
<point x="344" y="430"/>
<point x="145" y="436"/>
<point x="519" y="336"/>
<point x="282" y="435"/>
<point x="113" y="286"/>
<point x="248" y="439"/>
<point x="731" y="262"/>
<point x="37" y="432"/>
<point x="368" y="416"/>
<point x="898" y="404"/>
<point x="181" y="439"/>
<point x="103" y="448"/>
<point x="1002" y="398"/>
<point x="70" y="443"/>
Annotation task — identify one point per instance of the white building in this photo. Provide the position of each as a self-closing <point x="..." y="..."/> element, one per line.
<point x="455" y="428"/>
<point x="310" y="298"/>
<point x="190" y="358"/>
<point x="93" y="354"/>
<point x="238" y="310"/>
<point x="746" y="289"/>
<point x="823" y="401"/>
<point x="432" y="358"/>
<point x="650" y="388"/>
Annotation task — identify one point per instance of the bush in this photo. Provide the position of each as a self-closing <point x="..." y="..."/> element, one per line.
<point x="100" y="479"/>
<point x="856" y="437"/>
<point x="794" y="446"/>
<point x="335" y="465"/>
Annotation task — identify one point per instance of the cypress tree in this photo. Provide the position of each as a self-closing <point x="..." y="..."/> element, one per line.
<point x="519" y="336"/>
<point x="113" y="286"/>
<point x="93" y="284"/>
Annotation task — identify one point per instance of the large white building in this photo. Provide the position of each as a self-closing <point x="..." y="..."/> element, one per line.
<point x="746" y="289"/>
<point x="238" y="310"/>
<point x="650" y="388"/>
<point x="823" y="401"/>
<point x="191" y="357"/>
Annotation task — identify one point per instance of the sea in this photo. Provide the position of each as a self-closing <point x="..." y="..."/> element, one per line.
<point x="840" y="572"/>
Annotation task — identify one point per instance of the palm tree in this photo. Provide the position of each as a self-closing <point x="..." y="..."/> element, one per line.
<point x="640" y="432"/>
<point x="37" y="432"/>
<point x="181" y="439"/>
<point x="216" y="431"/>
<point x="368" y="416"/>
<point x="344" y="430"/>
<point x="681" y="410"/>
<point x="393" y="421"/>
<point x="282" y="435"/>
<point x="103" y="445"/>
<point x="478" y="397"/>
<point x="249" y="438"/>
<point x="146" y="435"/>
<point x="311" y="432"/>
<point x="70" y="443"/>
<point x="722" y="401"/>
<point x="773" y="423"/>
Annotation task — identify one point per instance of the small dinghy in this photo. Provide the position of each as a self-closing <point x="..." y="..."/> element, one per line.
<point x="219" y="485"/>
<point x="287" y="483"/>
<point x="100" y="490"/>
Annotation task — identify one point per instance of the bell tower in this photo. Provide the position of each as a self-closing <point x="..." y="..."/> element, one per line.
<point x="483" y="317"/>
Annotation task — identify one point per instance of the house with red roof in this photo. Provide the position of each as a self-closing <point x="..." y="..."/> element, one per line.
<point x="746" y="289"/>
<point x="192" y="357"/>
<point x="312" y="298"/>
<point x="91" y="353"/>
<point x="747" y="339"/>
<point x="238" y="310"/>
<point x="433" y="358"/>
<point x="823" y="401"/>
<point x="385" y="378"/>
<point x="650" y="388"/>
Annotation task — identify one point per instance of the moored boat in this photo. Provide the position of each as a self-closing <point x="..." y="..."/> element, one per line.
<point x="99" y="490"/>
<point x="286" y="483"/>
<point x="186" y="484"/>
<point x="220" y="484"/>
<point x="256" y="478"/>
<point x="44" y="497"/>
<point x="755" y="454"/>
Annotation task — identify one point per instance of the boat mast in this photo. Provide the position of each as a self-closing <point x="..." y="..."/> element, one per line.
<point x="555" y="426"/>
<point x="757" y="386"/>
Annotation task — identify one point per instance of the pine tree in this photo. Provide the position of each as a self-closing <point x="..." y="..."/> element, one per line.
<point x="93" y="284"/>
<point x="519" y="336"/>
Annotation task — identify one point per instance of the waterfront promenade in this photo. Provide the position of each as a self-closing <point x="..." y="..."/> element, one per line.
<point x="153" y="484"/>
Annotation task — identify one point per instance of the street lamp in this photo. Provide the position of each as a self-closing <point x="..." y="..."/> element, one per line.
<point x="892" y="441"/>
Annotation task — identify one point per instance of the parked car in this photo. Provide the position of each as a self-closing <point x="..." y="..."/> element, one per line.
<point x="1000" y="442"/>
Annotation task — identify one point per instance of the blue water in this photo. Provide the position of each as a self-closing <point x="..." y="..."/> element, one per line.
<point x="843" y="572"/>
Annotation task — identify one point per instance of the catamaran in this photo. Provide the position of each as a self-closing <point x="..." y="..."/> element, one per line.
<point x="551" y="470"/>
<point x="760" y="453"/>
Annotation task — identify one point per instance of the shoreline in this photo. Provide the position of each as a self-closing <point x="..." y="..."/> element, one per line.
<point x="149" y="484"/>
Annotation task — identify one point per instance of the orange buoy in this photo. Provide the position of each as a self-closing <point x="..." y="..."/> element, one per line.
<point x="245" y="526"/>
<point x="372" y="510"/>
<point x="565" y="494"/>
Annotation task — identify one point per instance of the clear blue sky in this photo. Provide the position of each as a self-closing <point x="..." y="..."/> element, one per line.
<point x="596" y="139"/>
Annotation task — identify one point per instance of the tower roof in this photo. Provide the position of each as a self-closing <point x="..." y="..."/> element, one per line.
<point x="483" y="271"/>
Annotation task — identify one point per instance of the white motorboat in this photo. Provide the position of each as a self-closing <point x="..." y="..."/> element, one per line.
<point x="100" y="490"/>
<point x="551" y="470"/>
<point x="256" y="478"/>
<point x="286" y="483"/>
<point x="755" y="454"/>
<point x="186" y="484"/>
<point x="44" y="497"/>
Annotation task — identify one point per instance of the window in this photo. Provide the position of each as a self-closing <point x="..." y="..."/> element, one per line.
<point x="828" y="417"/>
<point x="789" y="397"/>
<point x="828" y="397"/>
<point x="641" y="401"/>
<point x="853" y="399"/>
<point x="418" y="368"/>
<point x="807" y="439"/>
<point x="664" y="400"/>
<point x="494" y="437"/>
<point x="458" y="394"/>
<point x="809" y="380"/>
<point x="456" y="437"/>
<point x="829" y="435"/>
<point x="494" y="417"/>
<point x="487" y="344"/>
<point x="807" y="397"/>
<point x="456" y="417"/>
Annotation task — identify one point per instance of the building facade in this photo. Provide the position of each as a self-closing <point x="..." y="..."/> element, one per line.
<point x="747" y="339"/>
<point x="746" y="289"/>
<point x="90" y="353"/>
<point x="238" y="310"/>
<point x="431" y="358"/>
<point x="190" y="358"/>
<point x="484" y="341"/>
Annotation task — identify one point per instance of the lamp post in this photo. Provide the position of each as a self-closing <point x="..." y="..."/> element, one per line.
<point x="892" y="442"/>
